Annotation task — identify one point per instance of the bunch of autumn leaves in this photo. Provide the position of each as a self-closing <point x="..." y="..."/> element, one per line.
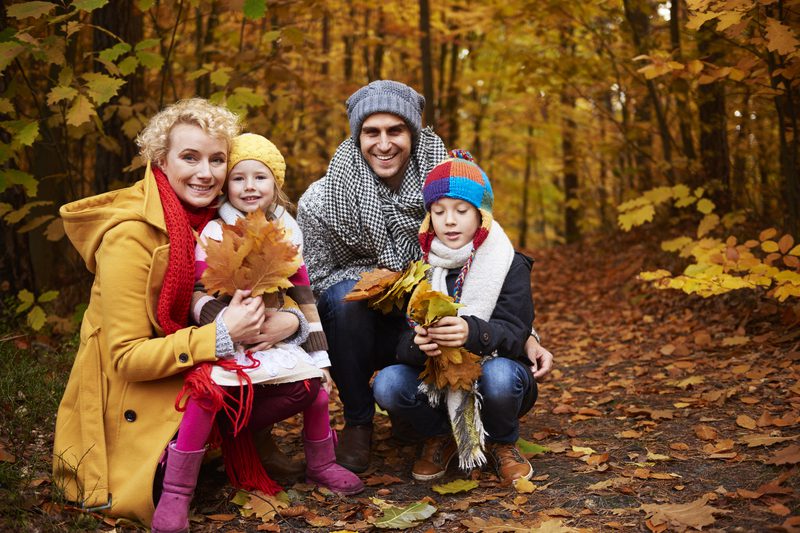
<point x="257" y="254"/>
<point x="454" y="368"/>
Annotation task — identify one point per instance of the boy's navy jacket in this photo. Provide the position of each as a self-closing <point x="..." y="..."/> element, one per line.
<point x="507" y="330"/>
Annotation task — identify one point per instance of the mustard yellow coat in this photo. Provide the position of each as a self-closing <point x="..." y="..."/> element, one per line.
<point x="118" y="411"/>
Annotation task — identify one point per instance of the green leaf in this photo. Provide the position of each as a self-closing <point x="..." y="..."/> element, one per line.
<point x="405" y="517"/>
<point x="270" y="36"/>
<point x="241" y="498"/>
<point x="13" y="176"/>
<point x="147" y="44"/>
<point x="89" y="5"/>
<point x="255" y="9"/>
<point x="27" y="134"/>
<point x="59" y="93"/>
<point x="25" y="296"/>
<point x="220" y="76"/>
<point x="113" y="53"/>
<point x="8" y="52"/>
<point x="458" y="485"/>
<point x="244" y="98"/>
<point x="29" y="9"/>
<point x="81" y="111"/>
<point x="65" y="76"/>
<point x="35" y="223"/>
<point x="150" y="59"/>
<point x="530" y="448"/>
<point x="48" y="296"/>
<point x="128" y="65"/>
<point x="101" y="87"/>
<point x="36" y="318"/>
<point x="144" y="5"/>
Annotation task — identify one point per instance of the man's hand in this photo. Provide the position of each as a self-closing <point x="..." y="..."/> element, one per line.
<point x="541" y="359"/>
<point x="327" y="380"/>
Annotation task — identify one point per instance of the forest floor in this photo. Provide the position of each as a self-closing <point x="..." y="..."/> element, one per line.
<point x="664" y="412"/>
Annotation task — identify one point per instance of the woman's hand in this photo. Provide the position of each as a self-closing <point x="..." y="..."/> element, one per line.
<point x="451" y="331"/>
<point x="244" y="316"/>
<point x="327" y="380"/>
<point x="425" y="343"/>
<point x="277" y="326"/>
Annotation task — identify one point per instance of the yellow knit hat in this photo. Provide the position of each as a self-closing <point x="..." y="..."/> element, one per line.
<point x="257" y="148"/>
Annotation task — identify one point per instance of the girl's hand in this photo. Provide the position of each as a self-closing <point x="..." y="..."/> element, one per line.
<point x="327" y="380"/>
<point x="277" y="326"/>
<point x="425" y="343"/>
<point x="450" y="331"/>
<point x="243" y="316"/>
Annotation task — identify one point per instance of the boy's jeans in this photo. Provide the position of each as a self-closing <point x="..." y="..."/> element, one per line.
<point x="361" y="341"/>
<point x="507" y="387"/>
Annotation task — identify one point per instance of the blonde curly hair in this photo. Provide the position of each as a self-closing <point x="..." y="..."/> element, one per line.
<point x="216" y="121"/>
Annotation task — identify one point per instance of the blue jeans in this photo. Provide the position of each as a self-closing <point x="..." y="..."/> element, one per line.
<point x="508" y="390"/>
<point x="360" y="341"/>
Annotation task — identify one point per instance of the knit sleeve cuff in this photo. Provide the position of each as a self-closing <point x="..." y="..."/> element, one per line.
<point x="224" y="341"/>
<point x="301" y="334"/>
<point x="320" y="358"/>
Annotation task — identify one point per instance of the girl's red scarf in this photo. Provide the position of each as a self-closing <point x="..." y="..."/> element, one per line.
<point x="242" y="462"/>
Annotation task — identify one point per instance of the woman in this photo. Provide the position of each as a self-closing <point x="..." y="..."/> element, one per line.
<point x="118" y="413"/>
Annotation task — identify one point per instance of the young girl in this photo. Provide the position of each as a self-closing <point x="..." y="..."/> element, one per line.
<point x="472" y="260"/>
<point x="256" y="171"/>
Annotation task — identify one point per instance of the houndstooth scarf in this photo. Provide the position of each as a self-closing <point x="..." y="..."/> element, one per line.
<point x="370" y="223"/>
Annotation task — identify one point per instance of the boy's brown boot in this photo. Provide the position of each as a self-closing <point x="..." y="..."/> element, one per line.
<point x="276" y="463"/>
<point x="509" y="463"/>
<point x="437" y="452"/>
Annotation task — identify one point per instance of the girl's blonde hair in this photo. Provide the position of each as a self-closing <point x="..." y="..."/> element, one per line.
<point x="216" y="121"/>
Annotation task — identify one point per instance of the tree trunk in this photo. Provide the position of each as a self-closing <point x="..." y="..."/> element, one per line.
<point x="680" y="85"/>
<point x="570" y="167"/>
<point x="204" y="38"/>
<point x="116" y="150"/>
<point x="427" y="60"/>
<point x="713" y="124"/>
<point x="524" y="218"/>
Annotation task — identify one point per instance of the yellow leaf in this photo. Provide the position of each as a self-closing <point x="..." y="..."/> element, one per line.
<point x="728" y="19"/>
<point x="705" y="206"/>
<point x="458" y="485"/>
<point x="523" y="486"/>
<point x="795" y="251"/>
<point x="584" y="450"/>
<point x="654" y="275"/>
<point x="676" y="244"/>
<point x="659" y="194"/>
<point x="691" y="380"/>
<point x="80" y="112"/>
<point x="780" y="38"/>
<point x="736" y="340"/>
<point x="636" y="217"/>
<point x="695" y="66"/>
<point x="708" y="223"/>
<point x="698" y="19"/>
<point x="769" y="246"/>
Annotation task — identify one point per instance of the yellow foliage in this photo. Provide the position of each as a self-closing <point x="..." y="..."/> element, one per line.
<point x="636" y="217"/>
<point x="676" y="244"/>
<point x="659" y="195"/>
<point x="769" y="246"/>
<point x="654" y="275"/>
<point x="705" y="206"/>
<point x="708" y="223"/>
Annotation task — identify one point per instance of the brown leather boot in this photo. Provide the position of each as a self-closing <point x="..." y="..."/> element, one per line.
<point x="437" y="452"/>
<point x="276" y="463"/>
<point x="509" y="463"/>
<point x="353" y="449"/>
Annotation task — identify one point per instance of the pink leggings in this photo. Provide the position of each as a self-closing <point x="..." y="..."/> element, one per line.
<point x="271" y="404"/>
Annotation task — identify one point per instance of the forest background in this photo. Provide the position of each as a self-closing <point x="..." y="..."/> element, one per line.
<point x="590" y="118"/>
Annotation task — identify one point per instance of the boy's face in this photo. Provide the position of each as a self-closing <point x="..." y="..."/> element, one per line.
<point x="386" y="146"/>
<point x="251" y="186"/>
<point x="454" y="221"/>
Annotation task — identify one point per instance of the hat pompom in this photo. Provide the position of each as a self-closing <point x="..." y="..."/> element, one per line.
<point x="461" y="154"/>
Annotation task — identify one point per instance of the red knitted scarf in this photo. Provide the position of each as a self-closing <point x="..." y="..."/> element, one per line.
<point x="176" y="291"/>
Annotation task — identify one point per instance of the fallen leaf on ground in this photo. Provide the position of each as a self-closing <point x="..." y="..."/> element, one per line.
<point x="705" y="432"/>
<point x="404" y="517"/>
<point x="458" y="485"/>
<point x="764" y="440"/>
<point x="745" y="422"/>
<point x="787" y="456"/>
<point x="696" y="514"/>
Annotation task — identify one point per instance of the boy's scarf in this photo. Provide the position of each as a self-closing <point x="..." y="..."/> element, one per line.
<point x="371" y="225"/>
<point x="484" y="267"/>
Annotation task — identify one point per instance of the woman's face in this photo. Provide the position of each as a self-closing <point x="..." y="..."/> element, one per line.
<point x="195" y="164"/>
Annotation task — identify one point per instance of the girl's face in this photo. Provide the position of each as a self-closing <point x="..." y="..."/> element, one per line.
<point x="251" y="186"/>
<point x="195" y="164"/>
<point x="454" y="221"/>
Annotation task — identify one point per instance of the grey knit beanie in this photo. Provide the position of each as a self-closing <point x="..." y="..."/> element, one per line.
<point x="385" y="96"/>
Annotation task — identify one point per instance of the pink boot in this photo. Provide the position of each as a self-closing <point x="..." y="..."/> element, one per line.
<point x="180" y="478"/>
<point x="321" y="468"/>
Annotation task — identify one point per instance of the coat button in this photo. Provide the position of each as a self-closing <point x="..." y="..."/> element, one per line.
<point x="485" y="337"/>
<point x="183" y="358"/>
<point x="130" y="415"/>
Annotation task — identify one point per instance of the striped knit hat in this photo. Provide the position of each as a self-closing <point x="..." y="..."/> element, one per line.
<point x="460" y="177"/>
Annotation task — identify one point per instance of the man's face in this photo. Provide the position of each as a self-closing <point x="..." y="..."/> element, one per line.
<point x="386" y="146"/>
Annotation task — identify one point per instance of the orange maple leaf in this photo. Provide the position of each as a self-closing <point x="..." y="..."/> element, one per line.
<point x="254" y="254"/>
<point x="372" y="283"/>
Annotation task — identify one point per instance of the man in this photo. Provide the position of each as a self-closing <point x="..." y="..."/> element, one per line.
<point x="363" y="214"/>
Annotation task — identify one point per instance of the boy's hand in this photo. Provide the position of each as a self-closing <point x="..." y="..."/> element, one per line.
<point x="277" y="326"/>
<point x="540" y="358"/>
<point x="423" y="340"/>
<point x="450" y="331"/>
